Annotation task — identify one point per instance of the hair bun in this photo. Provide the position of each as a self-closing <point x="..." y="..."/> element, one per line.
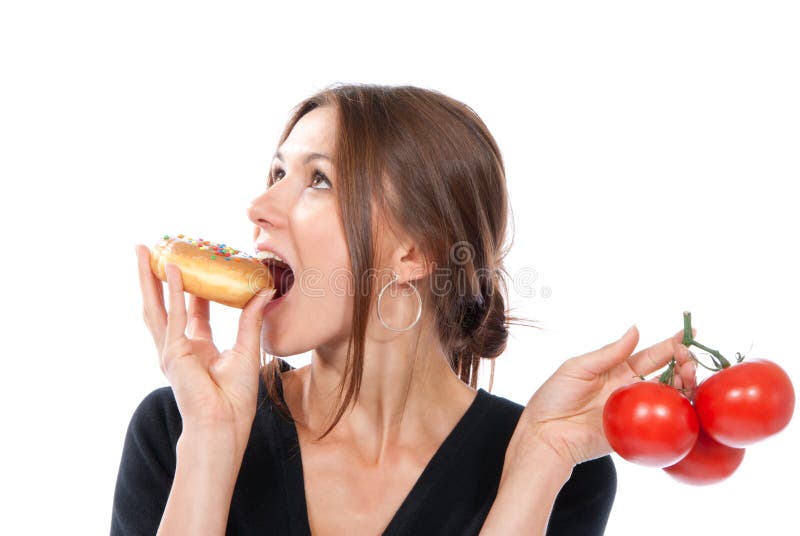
<point x="489" y="338"/>
<point x="474" y="311"/>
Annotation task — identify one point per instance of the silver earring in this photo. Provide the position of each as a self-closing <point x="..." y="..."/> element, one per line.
<point x="378" y="306"/>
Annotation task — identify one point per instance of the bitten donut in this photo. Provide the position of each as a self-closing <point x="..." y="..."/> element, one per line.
<point x="212" y="271"/>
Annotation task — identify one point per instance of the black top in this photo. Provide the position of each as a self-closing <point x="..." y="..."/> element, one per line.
<point x="452" y="495"/>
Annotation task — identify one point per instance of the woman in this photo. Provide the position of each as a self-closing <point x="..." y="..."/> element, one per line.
<point x="385" y="431"/>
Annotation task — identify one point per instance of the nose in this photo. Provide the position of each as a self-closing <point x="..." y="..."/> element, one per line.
<point x="266" y="212"/>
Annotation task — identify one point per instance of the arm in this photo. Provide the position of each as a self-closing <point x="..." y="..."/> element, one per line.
<point x="561" y="428"/>
<point x="216" y="394"/>
<point x="180" y="479"/>
<point x="205" y="475"/>
<point x="533" y="474"/>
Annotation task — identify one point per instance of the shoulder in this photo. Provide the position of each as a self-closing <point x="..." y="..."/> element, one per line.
<point x="584" y="503"/>
<point x="147" y="464"/>
<point x="586" y="498"/>
<point x="504" y="405"/>
<point x="596" y="479"/>
<point x="502" y="412"/>
<point x="283" y="370"/>
<point x="153" y="430"/>
<point x="596" y="476"/>
<point x="491" y="422"/>
<point x="158" y="413"/>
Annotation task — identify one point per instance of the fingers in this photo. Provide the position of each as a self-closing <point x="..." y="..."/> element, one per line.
<point x="199" y="318"/>
<point x="598" y="362"/>
<point x="657" y="356"/>
<point x="176" y="320"/>
<point x="687" y="373"/>
<point x="155" y="315"/>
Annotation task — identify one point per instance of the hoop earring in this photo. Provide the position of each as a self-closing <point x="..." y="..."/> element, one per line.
<point x="378" y="306"/>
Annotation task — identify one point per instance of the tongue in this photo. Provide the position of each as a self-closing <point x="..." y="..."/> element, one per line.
<point x="284" y="279"/>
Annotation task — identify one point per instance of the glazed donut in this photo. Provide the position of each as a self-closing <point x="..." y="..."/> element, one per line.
<point x="212" y="271"/>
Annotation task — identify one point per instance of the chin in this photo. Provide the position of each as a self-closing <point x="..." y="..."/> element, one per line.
<point x="273" y="344"/>
<point x="273" y="350"/>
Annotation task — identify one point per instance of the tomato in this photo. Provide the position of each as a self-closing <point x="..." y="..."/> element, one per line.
<point x="708" y="462"/>
<point x="745" y="403"/>
<point x="650" y="423"/>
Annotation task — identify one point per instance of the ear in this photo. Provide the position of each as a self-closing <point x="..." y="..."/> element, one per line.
<point x="408" y="261"/>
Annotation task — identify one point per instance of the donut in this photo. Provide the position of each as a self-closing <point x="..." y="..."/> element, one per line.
<point x="212" y="271"/>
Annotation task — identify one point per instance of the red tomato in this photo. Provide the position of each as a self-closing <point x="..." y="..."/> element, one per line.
<point x="650" y="423"/>
<point x="708" y="462"/>
<point x="745" y="403"/>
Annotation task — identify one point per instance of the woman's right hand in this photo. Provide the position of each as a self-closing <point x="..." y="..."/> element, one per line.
<point x="215" y="391"/>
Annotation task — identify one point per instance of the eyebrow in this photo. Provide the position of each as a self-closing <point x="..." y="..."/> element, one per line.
<point x="309" y="157"/>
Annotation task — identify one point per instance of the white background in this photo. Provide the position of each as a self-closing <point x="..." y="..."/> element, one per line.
<point x="652" y="159"/>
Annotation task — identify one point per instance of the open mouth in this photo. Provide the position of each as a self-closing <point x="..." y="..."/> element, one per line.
<point x="282" y="275"/>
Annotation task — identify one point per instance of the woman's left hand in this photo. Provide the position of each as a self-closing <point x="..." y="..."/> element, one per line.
<point x="566" y="412"/>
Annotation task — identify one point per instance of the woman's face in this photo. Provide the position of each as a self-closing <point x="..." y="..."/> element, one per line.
<point x="297" y="217"/>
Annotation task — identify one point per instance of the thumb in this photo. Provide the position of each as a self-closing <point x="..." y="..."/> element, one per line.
<point x="610" y="355"/>
<point x="248" y="339"/>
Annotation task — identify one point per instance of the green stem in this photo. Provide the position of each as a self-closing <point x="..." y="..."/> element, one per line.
<point x="688" y="340"/>
<point x="668" y="376"/>
<point x="694" y="358"/>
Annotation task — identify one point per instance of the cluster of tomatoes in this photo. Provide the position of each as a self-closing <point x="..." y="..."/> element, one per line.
<point x="700" y="441"/>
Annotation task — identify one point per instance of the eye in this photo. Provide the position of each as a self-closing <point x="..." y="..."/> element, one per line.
<point x="320" y="175"/>
<point x="273" y="176"/>
<point x="278" y="173"/>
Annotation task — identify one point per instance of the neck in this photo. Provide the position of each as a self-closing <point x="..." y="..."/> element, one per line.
<point x="400" y="395"/>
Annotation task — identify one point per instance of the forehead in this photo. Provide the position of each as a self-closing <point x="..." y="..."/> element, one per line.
<point x="314" y="132"/>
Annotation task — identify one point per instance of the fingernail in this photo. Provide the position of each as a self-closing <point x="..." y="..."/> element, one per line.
<point x="628" y="332"/>
<point x="266" y="293"/>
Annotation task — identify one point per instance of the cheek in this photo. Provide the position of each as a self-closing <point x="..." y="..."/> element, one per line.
<point x="328" y="284"/>
<point x="324" y="305"/>
<point x="320" y="238"/>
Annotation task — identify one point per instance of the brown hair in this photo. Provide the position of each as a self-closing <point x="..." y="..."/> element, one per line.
<point x="432" y="168"/>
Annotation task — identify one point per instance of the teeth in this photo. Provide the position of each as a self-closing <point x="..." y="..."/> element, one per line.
<point x="261" y="255"/>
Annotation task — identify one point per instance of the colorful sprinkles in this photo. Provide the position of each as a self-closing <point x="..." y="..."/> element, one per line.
<point x="223" y="251"/>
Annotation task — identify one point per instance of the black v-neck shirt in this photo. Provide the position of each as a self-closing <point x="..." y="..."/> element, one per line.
<point x="453" y="494"/>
